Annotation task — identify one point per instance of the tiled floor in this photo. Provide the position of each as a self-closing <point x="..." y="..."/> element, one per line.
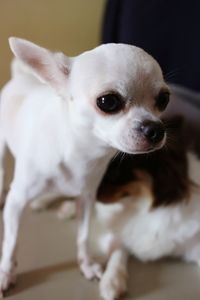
<point x="48" y="269"/>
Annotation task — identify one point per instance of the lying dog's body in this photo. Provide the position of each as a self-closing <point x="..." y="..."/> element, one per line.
<point x="63" y="119"/>
<point x="151" y="209"/>
<point x="159" y="211"/>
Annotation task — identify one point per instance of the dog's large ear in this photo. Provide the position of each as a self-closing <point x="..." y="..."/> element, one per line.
<point x="49" y="67"/>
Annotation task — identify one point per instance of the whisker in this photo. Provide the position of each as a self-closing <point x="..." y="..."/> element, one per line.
<point x="122" y="158"/>
<point x="171" y="74"/>
<point x="115" y="156"/>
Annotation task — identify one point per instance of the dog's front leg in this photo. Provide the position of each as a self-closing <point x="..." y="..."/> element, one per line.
<point x="114" y="280"/>
<point x="23" y="188"/>
<point x="15" y="204"/>
<point x="85" y="207"/>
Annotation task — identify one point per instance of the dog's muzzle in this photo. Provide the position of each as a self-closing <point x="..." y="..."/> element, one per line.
<point x="153" y="131"/>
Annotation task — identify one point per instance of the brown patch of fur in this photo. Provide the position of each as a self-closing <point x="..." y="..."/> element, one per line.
<point x="112" y="193"/>
<point x="140" y="188"/>
<point x="168" y="168"/>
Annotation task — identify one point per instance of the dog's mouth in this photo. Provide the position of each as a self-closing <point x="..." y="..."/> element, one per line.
<point x="147" y="137"/>
<point x="142" y="146"/>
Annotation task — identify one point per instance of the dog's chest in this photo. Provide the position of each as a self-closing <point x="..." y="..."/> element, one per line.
<point x="73" y="178"/>
<point x="66" y="181"/>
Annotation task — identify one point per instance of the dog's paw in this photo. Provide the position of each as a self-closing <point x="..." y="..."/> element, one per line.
<point x="91" y="270"/>
<point x="113" y="286"/>
<point x="6" y="280"/>
<point x="67" y="210"/>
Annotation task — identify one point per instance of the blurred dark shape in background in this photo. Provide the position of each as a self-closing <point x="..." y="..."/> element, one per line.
<point x="167" y="29"/>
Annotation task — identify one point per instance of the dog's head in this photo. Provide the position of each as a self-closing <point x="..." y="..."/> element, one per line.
<point x="116" y="91"/>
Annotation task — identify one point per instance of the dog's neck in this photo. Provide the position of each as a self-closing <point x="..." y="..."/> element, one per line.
<point x="83" y="152"/>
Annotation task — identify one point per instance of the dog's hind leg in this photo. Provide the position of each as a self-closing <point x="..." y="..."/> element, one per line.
<point x="44" y="200"/>
<point x="67" y="210"/>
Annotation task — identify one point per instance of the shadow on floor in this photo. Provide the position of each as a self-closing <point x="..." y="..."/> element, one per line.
<point x="38" y="276"/>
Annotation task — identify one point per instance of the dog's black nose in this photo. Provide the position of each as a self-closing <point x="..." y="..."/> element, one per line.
<point x="153" y="131"/>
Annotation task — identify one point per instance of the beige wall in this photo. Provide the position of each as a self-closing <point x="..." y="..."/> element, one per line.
<point x="68" y="25"/>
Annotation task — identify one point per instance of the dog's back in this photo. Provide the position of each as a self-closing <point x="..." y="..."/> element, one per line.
<point x="23" y="100"/>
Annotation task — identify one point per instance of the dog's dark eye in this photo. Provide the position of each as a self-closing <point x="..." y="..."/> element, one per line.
<point x="162" y="100"/>
<point x="110" y="103"/>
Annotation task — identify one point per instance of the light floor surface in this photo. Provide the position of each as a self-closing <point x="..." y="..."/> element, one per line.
<point x="47" y="267"/>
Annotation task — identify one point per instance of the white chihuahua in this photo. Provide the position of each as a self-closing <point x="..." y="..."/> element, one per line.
<point x="63" y="119"/>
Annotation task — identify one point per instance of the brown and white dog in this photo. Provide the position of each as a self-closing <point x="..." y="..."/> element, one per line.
<point x="151" y="209"/>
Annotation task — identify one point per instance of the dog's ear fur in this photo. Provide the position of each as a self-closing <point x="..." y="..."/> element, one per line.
<point x="49" y="67"/>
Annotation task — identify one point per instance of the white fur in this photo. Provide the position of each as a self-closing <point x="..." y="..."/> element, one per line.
<point x="61" y="142"/>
